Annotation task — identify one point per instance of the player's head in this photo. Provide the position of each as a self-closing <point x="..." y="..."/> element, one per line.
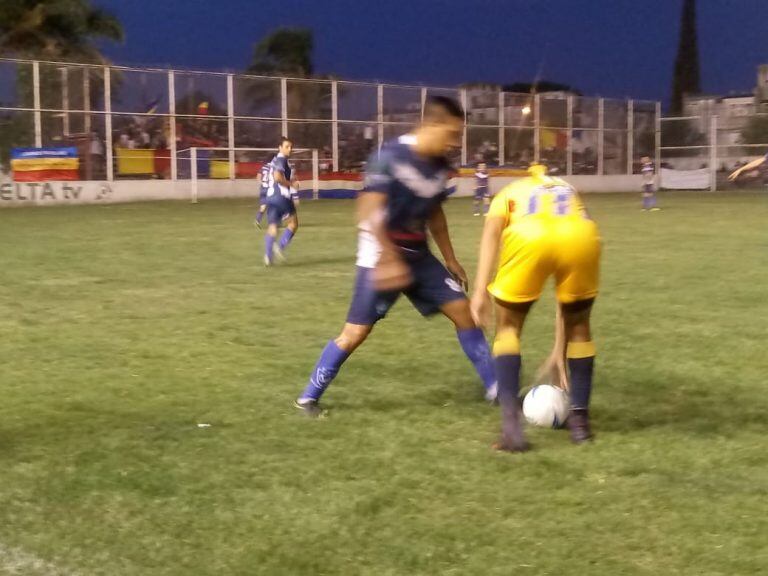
<point x="537" y="169"/>
<point x="481" y="166"/>
<point x="645" y="159"/>
<point x="442" y="126"/>
<point x="286" y="147"/>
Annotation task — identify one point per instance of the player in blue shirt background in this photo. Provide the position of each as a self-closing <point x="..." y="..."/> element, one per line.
<point x="280" y="202"/>
<point x="263" y="180"/>
<point x="400" y="206"/>
<point x="482" y="189"/>
<point x="648" y="172"/>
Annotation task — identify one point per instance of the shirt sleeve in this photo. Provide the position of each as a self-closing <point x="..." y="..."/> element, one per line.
<point x="501" y="207"/>
<point x="280" y="164"/>
<point x="377" y="173"/>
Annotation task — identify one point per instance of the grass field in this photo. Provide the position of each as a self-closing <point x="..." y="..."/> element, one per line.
<point x="124" y="327"/>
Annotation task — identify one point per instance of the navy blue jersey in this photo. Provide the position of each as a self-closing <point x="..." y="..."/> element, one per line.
<point x="276" y="191"/>
<point x="648" y="170"/>
<point x="415" y="186"/>
<point x="481" y="180"/>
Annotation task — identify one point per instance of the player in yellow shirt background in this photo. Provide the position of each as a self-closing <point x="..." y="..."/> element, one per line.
<point x="538" y="227"/>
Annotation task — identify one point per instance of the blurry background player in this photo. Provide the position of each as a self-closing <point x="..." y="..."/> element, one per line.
<point x="405" y="187"/>
<point x="748" y="167"/>
<point x="648" y="171"/>
<point x="264" y="184"/>
<point x="281" y="198"/>
<point x="538" y="227"/>
<point x="482" y="189"/>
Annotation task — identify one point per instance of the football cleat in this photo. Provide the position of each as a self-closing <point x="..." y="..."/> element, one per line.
<point x="310" y="407"/>
<point x="578" y="425"/>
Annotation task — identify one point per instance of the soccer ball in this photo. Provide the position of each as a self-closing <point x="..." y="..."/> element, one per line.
<point x="546" y="406"/>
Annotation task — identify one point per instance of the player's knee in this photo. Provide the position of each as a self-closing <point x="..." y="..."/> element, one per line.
<point x="352" y="336"/>
<point x="459" y="313"/>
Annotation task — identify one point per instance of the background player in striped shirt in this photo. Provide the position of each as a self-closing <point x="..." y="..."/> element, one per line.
<point x="281" y="203"/>
<point x="482" y="189"/>
<point x="648" y="172"/>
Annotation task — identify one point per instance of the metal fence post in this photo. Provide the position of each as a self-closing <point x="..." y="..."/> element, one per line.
<point x="537" y="128"/>
<point x="108" y="124"/>
<point x="65" y="99"/>
<point x="335" y="124"/>
<point x="284" y="105"/>
<point x="502" y="135"/>
<point x="315" y="174"/>
<point x="231" y="125"/>
<point x="36" y="104"/>
<point x="193" y="173"/>
<point x="630" y="136"/>
<point x="380" y="113"/>
<point x="172" y="126"/>
<point x="569" y="142"/>
<point x="657" y="141"/>
<point x="87" y="99"/>
<point x="713" y="153"/>
<point x="463" y="94"/>
<point x="423" y="101"/>
<point x="600" y="136"/>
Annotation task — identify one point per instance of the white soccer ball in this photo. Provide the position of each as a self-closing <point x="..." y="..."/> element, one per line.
<point x="546" y="406"/>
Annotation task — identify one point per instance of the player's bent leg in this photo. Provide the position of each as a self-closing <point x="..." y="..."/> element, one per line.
<point x="291" y="226"/>
<point x="328" y="365"/>
<point x="510" y="318"/>
<point x="473" y="343"/>
<point x="269" y="244"/>
<point x="580" y="355"/>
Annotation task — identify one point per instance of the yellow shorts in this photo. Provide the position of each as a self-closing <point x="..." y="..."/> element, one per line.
<point x="536" y="248"/>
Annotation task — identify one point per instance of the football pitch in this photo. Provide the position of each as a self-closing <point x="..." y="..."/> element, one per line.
<point x="148" y="362"/>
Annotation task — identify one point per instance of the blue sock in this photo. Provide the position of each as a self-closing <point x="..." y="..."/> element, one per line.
<point x="476" y="348"/>
<point x="259" y="216"/>
<point x="581" y="370"/>
<point x="325" y="370"/>
<point x="269" y="243"/>
<point x="285" y="239"/>
<point x="652" y="201"/>
<point x="508" y="370"/>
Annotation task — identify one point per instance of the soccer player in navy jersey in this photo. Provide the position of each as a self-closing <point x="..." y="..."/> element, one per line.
<point x="400" y="206"/>
<point x="263" y="180"/>
<point x="281" y="197"/>
<point x="482" y="189"/>
<point x="648" y="172"/>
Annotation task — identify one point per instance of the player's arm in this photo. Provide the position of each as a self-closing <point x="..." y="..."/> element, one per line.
<point x="438" y="227"/>
<point x="391" y="273"/>
<point x="489" y="248"/>
<point x="552" y="371"/>
<point x="747" y="167"/>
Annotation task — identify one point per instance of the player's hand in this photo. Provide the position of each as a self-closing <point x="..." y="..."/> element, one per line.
<point x="552" y="371"/>
<point x="296" y="184"/>
<point x="458" y="273"/>
<point x="735" y="174"/>
<point x="391" y="273"/>
<point x="481" y="308"/>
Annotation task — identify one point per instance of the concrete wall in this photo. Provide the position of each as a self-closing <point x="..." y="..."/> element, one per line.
<point x="53" y="193"/>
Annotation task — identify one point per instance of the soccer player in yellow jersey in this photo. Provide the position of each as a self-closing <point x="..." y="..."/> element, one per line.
<point x="538" y="227"/>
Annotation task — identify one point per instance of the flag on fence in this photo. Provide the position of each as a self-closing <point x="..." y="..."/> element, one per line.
<point x="202" y="108"/>
<point x="41" y="164"/>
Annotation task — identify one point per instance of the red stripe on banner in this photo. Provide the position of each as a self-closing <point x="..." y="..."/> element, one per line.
<point x="46" y="175"/>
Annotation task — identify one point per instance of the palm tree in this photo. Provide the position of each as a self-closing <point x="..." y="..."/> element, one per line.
<point x="55" y="29"/>
<point x="58" y="30"/>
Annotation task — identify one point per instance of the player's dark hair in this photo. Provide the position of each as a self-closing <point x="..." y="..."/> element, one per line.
<point x="283" y="140"/>
<point x="442" y="104"/>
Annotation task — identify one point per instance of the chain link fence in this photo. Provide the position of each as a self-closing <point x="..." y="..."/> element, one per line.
<point x="132" y="122"/>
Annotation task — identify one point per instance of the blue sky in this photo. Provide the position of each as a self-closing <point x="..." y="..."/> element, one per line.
<point x="612" y="48"/>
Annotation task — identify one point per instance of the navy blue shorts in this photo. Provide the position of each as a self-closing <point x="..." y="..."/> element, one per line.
<point x="279" y="211"/>
<point x="481" y="193"/>
<point x="432" y="288"/>
<point x="648" y="189"/>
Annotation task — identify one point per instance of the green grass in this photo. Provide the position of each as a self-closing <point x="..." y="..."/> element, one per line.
<point x="123" y="327"/>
